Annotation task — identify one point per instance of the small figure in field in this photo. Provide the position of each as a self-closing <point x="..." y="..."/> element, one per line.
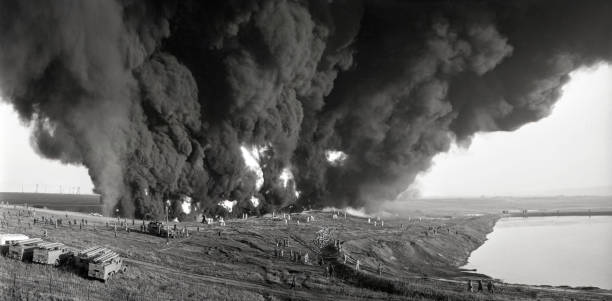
<point x="357" y="265"/>
<point x="331" y="270"/>
<point x="469" y="286"/>
<point x="479" y="285"/>
<point x="327" y="271"/>
<point x="490" y="286"/>
<point x="379" y="269"/>
<point x="293" y="282"/>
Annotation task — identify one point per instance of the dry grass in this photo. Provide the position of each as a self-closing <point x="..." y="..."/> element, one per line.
<point x="240" y="264"/>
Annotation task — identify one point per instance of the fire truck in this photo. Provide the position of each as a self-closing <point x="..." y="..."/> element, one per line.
<point x="51" y="253"/>
<point x="24" y="249"/>
<point x="159" y="229"/>
<point x="105" y="265"/>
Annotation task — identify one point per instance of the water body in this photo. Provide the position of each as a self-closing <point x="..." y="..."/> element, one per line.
<point x="567" y="250"/>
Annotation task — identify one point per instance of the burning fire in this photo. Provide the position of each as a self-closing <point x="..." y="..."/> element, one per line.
<point x="252" y="157"/>
<point x="229" y="206"/>
<point x="335" y="157"/>
<point x="254" y="201"/>
<point x="285" y="176"/>
<point x="186" y="205"/>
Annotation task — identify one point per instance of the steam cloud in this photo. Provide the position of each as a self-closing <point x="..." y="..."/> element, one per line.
<point x="162" y="100"/>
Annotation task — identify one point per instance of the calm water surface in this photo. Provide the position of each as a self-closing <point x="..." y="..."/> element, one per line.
<point x="569" y="250"/>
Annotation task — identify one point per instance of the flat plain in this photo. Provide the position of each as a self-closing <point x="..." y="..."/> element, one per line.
<point x="418" y="258"/>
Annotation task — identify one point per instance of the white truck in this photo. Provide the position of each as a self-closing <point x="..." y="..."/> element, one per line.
<point x="105" y="265"/>
<point x="51" y="253"/>
<point x="7" y="239"/>
<point x="24" y="249"/>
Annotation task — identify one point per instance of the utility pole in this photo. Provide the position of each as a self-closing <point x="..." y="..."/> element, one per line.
<point x="167" y="226"/>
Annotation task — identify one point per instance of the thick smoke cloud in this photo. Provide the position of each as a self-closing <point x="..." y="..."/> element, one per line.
<point x="158" y="98"/>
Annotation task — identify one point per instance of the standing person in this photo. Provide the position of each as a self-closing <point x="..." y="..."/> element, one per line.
<point x="469" y="285"/>
<point x="479" y="285"/>
<point x="490" y="286"/>
<point x="293" y="282"/>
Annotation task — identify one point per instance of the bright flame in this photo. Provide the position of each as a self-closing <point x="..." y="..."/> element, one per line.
<point x="186" y="205"/>
<point x="254" y="201"/>
<point x="229" y="206"/>
<point x="285" y="176"/>
<point x="252" y="157"/>
<point x="335" y="157"/>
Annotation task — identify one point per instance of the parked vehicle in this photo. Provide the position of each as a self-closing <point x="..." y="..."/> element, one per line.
<point x="105" y="265"/>
<point x="51" y="253"/>
<point x="24" y="249"/>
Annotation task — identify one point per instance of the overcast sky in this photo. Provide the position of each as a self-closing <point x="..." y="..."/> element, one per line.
<point x="568" y="151"/>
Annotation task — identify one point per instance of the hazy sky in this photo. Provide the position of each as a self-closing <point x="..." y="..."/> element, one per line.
<point x="570" y="149"/>
<point x="20" y="165"/>
<point x="561" y="154"/>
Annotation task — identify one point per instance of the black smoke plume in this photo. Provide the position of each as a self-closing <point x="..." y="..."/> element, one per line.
<point x="161" y="100"/>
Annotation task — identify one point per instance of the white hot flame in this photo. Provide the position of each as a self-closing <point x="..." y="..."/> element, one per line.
<point x="335" y="157"/>
<point x="252" y="157"/>
<point x="285" y="176"/>
<point x="186" y="205"/>
<point x="229" y="206"/>
<point x="254" y="201"/>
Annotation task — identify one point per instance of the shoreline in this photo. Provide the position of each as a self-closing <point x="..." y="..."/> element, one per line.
<point x="559" y="213"/>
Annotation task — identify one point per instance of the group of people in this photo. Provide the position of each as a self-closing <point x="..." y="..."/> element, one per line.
<point x="478" y="287"/>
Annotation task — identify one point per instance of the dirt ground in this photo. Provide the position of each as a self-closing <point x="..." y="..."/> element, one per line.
<point x="418" y="259"/>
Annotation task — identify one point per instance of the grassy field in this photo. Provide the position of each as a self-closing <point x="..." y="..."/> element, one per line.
<point x="85" y="203"/>
<point x="237" y="261"/>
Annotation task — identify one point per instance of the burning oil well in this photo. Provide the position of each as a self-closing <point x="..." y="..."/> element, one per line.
<point x="265" y="104"/>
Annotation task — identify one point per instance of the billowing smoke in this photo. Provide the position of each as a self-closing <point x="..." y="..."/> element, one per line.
<point x="275" y="103"/>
